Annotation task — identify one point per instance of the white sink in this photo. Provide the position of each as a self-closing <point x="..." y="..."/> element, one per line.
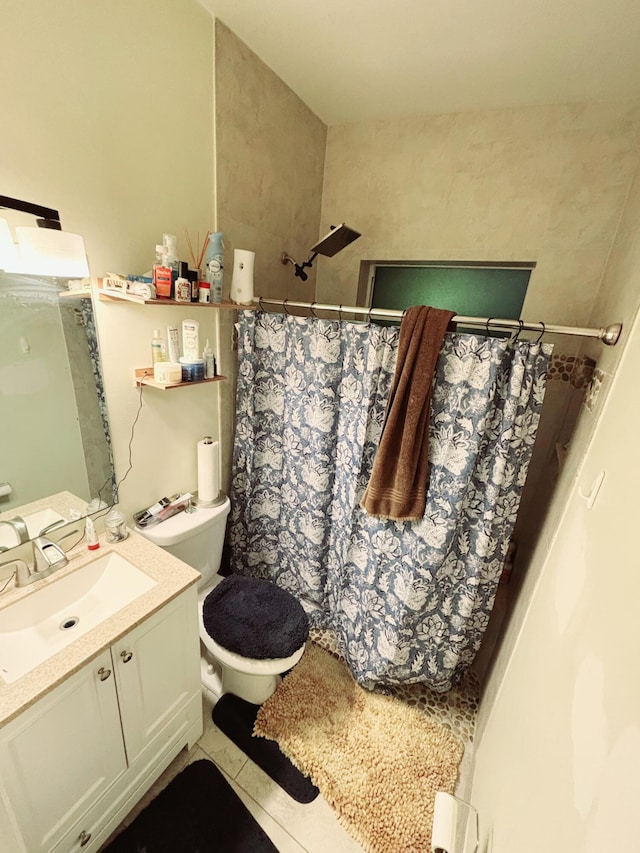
<point x="37" y="626"/>
<point x="35" y="522"/>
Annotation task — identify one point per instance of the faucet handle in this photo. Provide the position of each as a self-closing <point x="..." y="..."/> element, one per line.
<point x="48" y="555"/>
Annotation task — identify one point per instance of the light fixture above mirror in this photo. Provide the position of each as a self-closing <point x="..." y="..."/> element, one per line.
<point x="43" y="251"/>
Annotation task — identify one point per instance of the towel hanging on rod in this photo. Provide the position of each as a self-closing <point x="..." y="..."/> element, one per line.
<point x="609" y="335"/>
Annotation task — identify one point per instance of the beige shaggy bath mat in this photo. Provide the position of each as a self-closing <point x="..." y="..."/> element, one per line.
<point x="377" y="761"/>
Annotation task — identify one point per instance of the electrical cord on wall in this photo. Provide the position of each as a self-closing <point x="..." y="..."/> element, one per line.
<point x="116" y="488"/>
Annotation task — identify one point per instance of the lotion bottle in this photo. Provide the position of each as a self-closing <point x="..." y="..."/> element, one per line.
<point x="92" y="537"/>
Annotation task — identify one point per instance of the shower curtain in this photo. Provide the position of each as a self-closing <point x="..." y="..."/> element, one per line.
<point x="407" y="601"/>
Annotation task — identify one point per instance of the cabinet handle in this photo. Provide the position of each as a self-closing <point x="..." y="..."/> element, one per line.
<point x="126" y="656"/>
<point x="104" y="673"/>
<point x="84" y="838"/>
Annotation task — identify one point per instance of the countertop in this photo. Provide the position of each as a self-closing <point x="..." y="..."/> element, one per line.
<point x="172" y="577"/>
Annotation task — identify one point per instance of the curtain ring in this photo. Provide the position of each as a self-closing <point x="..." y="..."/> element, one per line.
<point x="544" y="328"/>
<point x="313" y="310"/>
<point x="369" y="315"/>
<point x="286" y="310"/>
<point x="487" y="324"/>
<point x="260" y="305"/>
<point x="340" y="312"/>
<point x="520" y="328"/>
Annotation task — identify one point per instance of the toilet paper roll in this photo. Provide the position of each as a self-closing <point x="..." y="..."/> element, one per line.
<point x="242" y="278"/>
<point x="455" y="825"/>
<point x="208" y="470"/>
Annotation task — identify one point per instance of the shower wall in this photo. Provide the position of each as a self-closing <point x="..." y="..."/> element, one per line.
<point x="544" y="184"/>
<point x="269" y="151"/>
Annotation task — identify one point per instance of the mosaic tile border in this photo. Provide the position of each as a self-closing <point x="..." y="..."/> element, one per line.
<point x="456" y="709"/>
<point x="593" y="389"/>
<point x="575" y="369"/>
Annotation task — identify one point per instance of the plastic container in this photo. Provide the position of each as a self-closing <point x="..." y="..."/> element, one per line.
<point x="167" y="372"/>
<point x="115" y="526"/>
<point x="192" y="371"/>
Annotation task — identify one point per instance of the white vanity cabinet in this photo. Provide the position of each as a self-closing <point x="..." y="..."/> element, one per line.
<point x="74" y="763"/>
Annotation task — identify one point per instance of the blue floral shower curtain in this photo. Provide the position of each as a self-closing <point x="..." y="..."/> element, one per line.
<point x="407" y="601"/>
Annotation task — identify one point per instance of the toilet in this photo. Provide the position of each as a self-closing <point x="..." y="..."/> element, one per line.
<point x="197" y="538"/>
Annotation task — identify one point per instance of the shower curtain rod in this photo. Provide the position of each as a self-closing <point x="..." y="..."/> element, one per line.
<point x="609" y="335"/>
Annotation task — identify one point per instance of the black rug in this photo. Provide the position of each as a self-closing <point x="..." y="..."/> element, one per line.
<point x="198" y="812"/>
<point x="235" y="718"/>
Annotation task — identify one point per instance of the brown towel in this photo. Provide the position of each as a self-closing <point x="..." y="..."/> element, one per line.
<point x="397" y="488"/>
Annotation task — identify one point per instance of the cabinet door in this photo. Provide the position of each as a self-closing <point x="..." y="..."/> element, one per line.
<point x="157" y="671"/>
<point x="62" y="754"/>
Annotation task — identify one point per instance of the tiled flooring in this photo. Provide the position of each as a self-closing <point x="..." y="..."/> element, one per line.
<point x="311" y="828"/>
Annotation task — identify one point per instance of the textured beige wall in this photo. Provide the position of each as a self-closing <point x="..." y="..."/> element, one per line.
<point x="269" y="162"/>
<point x="558" y="743"/>
<point x="269" y="167"/>
<point x="109" y="119"/>
<point x="621" y="294"/>
<point x="544" y="184"/>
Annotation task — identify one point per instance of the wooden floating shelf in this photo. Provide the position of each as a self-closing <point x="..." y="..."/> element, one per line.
<point x="144" y="376"/>
<point x="120" y="296"/>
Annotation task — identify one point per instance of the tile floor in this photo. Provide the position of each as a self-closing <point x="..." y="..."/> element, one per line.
<point x="311" y="828"/>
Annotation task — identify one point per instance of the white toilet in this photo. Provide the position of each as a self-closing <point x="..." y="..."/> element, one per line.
<point x="197" y="538"/>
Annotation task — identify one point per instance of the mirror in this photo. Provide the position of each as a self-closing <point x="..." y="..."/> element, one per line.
<point x="54" y="431"/>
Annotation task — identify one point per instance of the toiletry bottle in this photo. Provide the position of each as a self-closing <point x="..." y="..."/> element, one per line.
<point x="204" y="292"/>
<point x="214" y="265"/>
<point x="182" y="285"/>
<point x="190" y="340"/>
<point x="209" y="361"/>
<point x="158" y="347"/>
<point x="193" y="277"/>
<point x="162" y="274"/>
<point x="170" y="243"/>
<point x="91" y="535"/>
<point x="173" y="343"/>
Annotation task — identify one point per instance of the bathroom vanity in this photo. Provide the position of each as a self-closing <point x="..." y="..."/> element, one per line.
<point x="85" y="733"/>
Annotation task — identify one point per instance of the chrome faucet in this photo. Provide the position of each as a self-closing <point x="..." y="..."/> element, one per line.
<point x="46" y="557"/>
<point x="19" y="526"/>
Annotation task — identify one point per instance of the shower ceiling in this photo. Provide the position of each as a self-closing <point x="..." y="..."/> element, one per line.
<point x="355" y="60"/>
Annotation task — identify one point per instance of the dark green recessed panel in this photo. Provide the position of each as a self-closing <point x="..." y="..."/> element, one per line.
<point x="471" y="291"/>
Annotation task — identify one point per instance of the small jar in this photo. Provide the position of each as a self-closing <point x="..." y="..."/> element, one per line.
<point x="192" y="371"/>
<point x="115" y="526"/>
<point x="204" y="292"/>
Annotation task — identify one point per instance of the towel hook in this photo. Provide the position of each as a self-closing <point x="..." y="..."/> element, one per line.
<point x="286" y="310"/>
<point x="544" y="328"/>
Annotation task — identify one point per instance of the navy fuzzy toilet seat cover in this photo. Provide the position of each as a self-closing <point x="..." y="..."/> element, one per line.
<point x="255" y="618"/>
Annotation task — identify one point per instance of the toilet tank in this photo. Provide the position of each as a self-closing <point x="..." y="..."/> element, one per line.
<point x="195" y="538"/>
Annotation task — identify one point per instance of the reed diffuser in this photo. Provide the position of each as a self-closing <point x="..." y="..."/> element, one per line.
<point x="197" y="255"/>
